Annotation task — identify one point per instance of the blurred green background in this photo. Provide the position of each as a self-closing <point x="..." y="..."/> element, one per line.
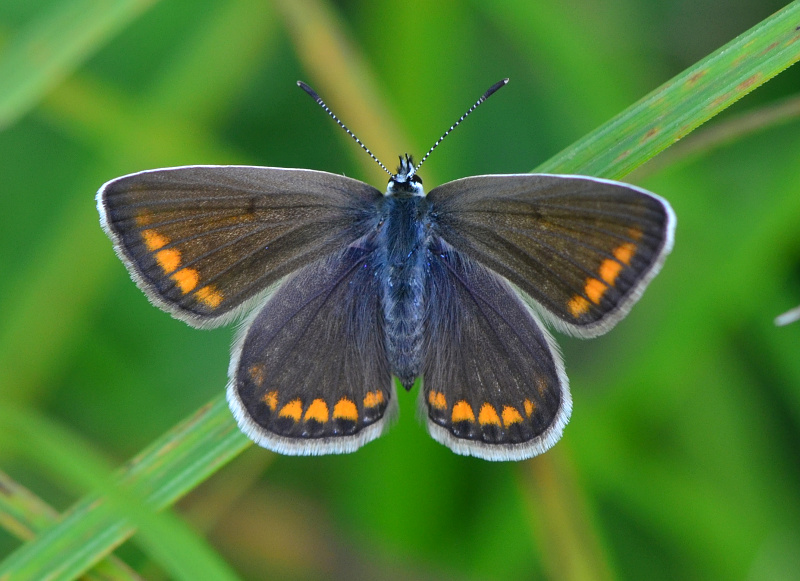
<point x="681" y="458"/>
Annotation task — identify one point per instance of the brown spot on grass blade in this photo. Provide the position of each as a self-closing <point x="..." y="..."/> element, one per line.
<point x="652" y="132"/>
<point x="749" y="82"/>
<point x="622" y="155"/>
<point x="692" y="80"/>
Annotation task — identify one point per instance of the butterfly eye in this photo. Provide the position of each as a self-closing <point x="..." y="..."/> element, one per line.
<point x="416" y="179"/>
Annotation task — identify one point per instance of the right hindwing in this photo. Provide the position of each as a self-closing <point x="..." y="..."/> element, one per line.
<point x="493" y="383"/>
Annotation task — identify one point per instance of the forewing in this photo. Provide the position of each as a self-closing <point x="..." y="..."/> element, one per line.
<point x="582" y="248"/>
<point x="201" y="241"/>
<point x="310" y="374"/>
<point x="493" y="384"/>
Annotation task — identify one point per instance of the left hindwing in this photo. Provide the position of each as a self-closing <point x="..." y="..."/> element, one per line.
<point x="493" y="384"/>
<point x="582" y="248"/>
<point x="310" y="374"/>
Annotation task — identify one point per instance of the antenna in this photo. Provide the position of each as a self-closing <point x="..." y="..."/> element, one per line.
<point x="322" y="104"/>
<point x="413" y="170"/>
<point x="498" y="85"/>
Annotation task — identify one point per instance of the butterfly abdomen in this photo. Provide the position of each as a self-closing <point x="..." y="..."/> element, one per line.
<point x="401" y="270"/>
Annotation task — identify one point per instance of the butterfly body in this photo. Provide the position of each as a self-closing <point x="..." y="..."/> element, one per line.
<point x="402" y="243"/>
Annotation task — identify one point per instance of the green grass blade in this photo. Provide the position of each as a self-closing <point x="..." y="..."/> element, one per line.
<point x="51" y="47"/>
<point x="685" y="102"/>
<point x="25" y="515"/>
<point x="734" y="128"/>
<point x="175" y="464"/>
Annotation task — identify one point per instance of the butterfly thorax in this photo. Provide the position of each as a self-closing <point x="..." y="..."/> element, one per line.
<point x="403" y="240"/>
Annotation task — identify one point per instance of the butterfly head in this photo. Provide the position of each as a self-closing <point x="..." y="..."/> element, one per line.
<point x="406" y="182"/>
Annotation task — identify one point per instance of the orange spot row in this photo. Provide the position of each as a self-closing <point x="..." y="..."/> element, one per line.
<point x="609" y="272"/>
<point x="169" y="259"/>
<point x="317" y="410"/>
<point x="488" y="416"/>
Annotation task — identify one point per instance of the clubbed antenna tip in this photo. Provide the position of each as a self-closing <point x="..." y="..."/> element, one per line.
<point x="322" y="104"/>
<point x="494" y="88"/>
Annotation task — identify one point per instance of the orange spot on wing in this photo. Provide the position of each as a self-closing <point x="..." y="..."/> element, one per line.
<point x="595" y="289"/>
<point x="488" y="415"/>
<point x="144" y="219"/>
<point x="318" y="410"/>
<point x="210" y="296"/>
<point x="271" y="399"/>
<point x="625" y="252"/>
<point x="345" y="410"/>
<point x="186" y="278"/>
<point x="511" y="415"/>
<point x="293" y="409"/>
<point x="153" y="240"/>
<point x="437" y="400"/>
<point x="578" y="306"/>
<point x="635" y="233"/>
<point x="169" y="260"/>
<point x="373" y="399"/>
<point x="529" y="407"/>
<point x="609" y="270"/>
<point x="257" y="375"/>
<point x="462" y="412"/>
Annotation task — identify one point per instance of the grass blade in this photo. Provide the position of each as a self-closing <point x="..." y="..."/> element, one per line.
<point x="685" y="102"/>
<point x="25" y="515"/>
<point x="48" y="50"/>
<point x="173" y="465"/>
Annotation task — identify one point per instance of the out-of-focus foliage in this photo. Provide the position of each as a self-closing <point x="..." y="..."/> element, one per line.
<point x="680" y="460"/>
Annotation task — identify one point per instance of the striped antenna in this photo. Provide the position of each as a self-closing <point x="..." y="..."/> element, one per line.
<point x="322" y="104"/>
<point x="486" y="95"/>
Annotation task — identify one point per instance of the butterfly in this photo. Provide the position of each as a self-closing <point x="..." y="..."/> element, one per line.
<point x="350" y="288"/>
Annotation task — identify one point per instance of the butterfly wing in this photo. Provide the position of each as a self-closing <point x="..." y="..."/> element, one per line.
<point x="203" y="242"/>
<point x="310" y="374"/>
<point x="493" y="383"/>
<point x="582" y="248"/>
